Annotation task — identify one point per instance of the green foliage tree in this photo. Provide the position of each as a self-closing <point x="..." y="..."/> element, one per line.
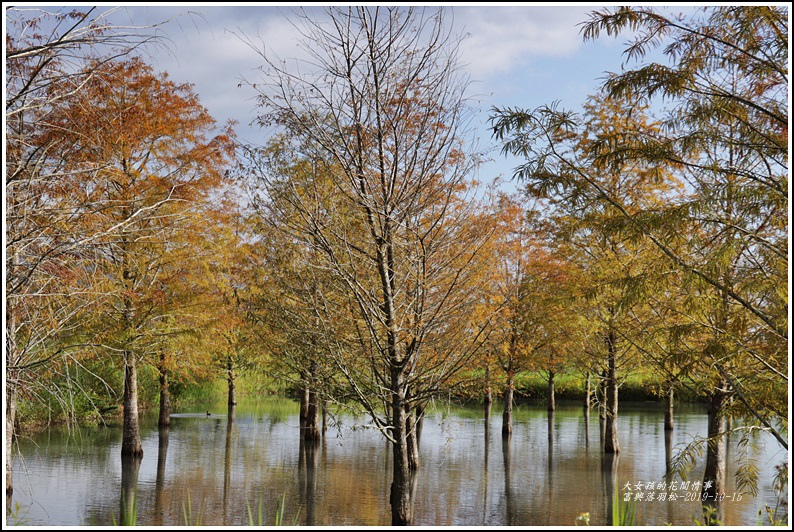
<point x="728" y="134"/>
<point x="724" y="135"/>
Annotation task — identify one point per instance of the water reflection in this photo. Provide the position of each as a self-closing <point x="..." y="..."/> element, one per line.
<point x="487" y="431"/>
<point x="586" y="427"/>
<point x="162" y="451"/>
<point x="609" y="478"/>
<point x="307" y="474"/>
<point x="510" y="511"/>
<point x="550" y="443"/>
<point x="550" y="491"/>
<point x="668" y="453"/>
<point x="227" y="461"/>
<point x="546" y="475"/>
<point x="130" y="465"/>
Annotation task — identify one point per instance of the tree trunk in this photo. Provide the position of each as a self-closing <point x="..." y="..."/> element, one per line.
<point x="714" y="474"/>
<point x="507" y="415"/>
<point x="11" y="415"/>
<point x="587" y="391"/>
<point x="413" y="439"/>
<point x="311" y="431"/>
<point x="389" y="414"/>
<point x="231" y="378"/>
<point x="131" y="434"/>
<point x="420" y="419"/>
<point x="165" y="400"/>
<point x="401" y="504"/>
<point x="488" y="395"/>
<point x="552" y="402"/>
<point x="325" y="417"/>
<point x="668" y="413"/>
<point x="602" y="403"/>
<point x="611" y="444"/>
<point x="12" y="360"/>
<point x="587" y="427"/>
<point x="487" y="415"/>
<point x="304" y="409"/>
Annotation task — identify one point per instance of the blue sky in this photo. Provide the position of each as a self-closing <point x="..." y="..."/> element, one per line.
<point x="517" y="55"/>
<point x="520" y="55"/>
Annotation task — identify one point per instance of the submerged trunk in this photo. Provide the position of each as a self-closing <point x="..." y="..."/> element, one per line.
<point x="714" y="474"/>
<point x="401" y="503"/>
<point x="311" y="430"/>
<point x="611" y="429"/>
<point x="668" y="412"/>
<point x="304" y="409"/>
<point x="488" y="399"/>
<point x="165" y="400"/>
<point x="11" y="415"/>
<point x="587" y="427"/>
<point x="668" y="452"/>
<point x="552" y="402"/>
<point x="131" y="434"/>
<point x="507" y="415"/>
<point x="325" y="417"/>
<point x="12" y="360"/>
<point x="587" y="392"/>
<point x="231" y="378"/>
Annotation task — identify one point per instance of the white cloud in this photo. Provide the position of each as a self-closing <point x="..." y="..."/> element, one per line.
<point x="208" y="46"/>
<point x="503" y="38"/>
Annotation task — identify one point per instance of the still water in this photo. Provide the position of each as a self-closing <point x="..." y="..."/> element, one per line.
<point x="206" y="471"/>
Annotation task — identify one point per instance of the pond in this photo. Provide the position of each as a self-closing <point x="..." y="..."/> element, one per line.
<point x="206" y="471"/>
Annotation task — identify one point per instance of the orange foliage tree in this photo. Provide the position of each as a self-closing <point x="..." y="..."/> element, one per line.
<point x="154" y="154"/>
<point x="50" y="54"/>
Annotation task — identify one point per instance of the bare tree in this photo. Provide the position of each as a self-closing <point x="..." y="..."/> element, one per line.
<point x="379" y="111"/>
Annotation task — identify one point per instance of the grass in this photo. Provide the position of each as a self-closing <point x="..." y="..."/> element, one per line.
<point x="572" y="386"/>
<point x="623" y="510"/>
<point x="187" y="514"/>
<point x="15" y="515"/>
<point x="636" y="386"/>
<point x="279" y="517"/>
<point x="130" y="517"/>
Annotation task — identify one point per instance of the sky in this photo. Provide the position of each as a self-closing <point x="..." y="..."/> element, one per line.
<point x="517" y="54"/>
